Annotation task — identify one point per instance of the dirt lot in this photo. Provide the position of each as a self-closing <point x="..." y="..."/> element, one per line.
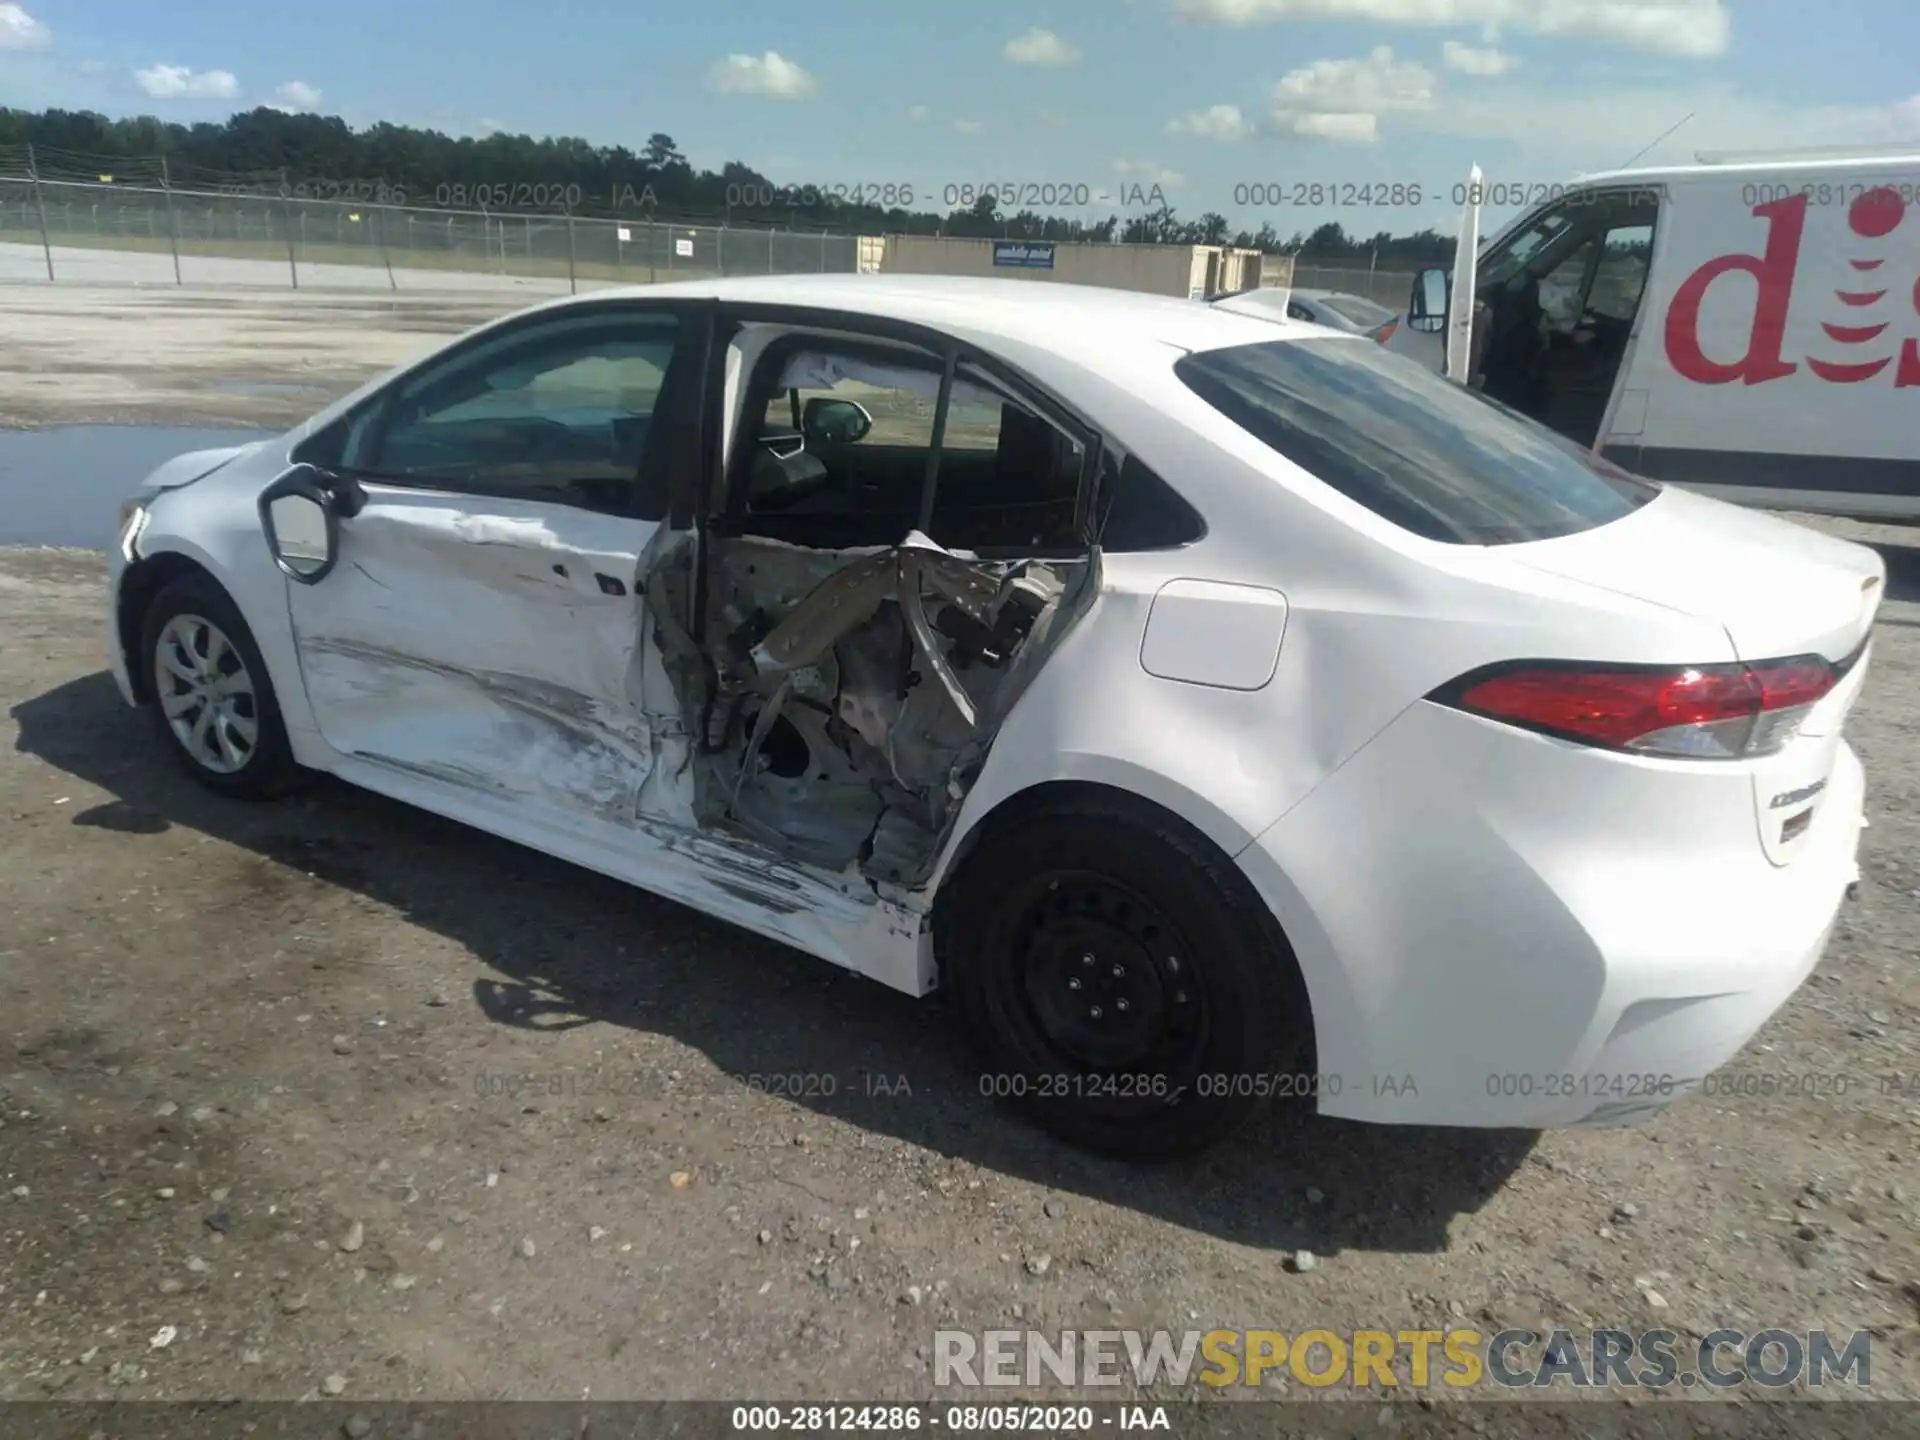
<point x="330" y="1096"/>
<point x="115" y="354"/>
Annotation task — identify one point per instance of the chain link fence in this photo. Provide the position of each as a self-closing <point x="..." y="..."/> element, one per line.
<point x="124" y="234"/>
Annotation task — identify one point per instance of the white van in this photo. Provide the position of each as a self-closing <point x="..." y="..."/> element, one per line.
<point x="1750" y="329"/>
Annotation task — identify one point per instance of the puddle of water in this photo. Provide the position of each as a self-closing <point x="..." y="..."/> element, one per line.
<point x="63" y="486"/>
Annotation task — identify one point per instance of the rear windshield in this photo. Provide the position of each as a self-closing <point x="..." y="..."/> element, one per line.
<point x="1427" y="454"/>
<point x="1360" y="312"/>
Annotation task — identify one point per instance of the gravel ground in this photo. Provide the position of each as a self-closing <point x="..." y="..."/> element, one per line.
<point x="334" y="1098"/>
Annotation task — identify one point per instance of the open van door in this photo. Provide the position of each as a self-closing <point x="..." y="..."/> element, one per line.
<point x="1460" y="306"/>
<point x="1439" y="318"/>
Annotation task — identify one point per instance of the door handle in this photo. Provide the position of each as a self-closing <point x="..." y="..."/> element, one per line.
<point x="609" y="585"/>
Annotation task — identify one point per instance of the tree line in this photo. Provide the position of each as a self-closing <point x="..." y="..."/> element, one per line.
<point x="320" y="156"/>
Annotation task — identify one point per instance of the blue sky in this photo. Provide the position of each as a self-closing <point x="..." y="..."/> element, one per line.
<point x="1201" y="97"/>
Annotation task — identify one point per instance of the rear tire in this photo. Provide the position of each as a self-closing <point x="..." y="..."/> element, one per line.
<point x="212" y="700"/>
<point x="1132" y="994"/>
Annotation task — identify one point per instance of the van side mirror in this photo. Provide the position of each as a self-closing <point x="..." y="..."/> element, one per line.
<point x="1427" y="310"/>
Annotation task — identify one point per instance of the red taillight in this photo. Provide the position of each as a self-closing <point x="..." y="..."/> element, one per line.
<point x="1385" y="332"/>
<point x="1709" y="712"/>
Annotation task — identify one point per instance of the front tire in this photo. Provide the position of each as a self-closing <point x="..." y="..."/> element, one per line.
<point x="1131" y="992"/>
<point x="212" y="699"/>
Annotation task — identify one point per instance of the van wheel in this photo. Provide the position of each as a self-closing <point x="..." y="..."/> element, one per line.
<point x="1130" y="992"/>
<point x="212" y="699"/>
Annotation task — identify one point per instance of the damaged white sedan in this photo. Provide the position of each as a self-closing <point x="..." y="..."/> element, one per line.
<point x="1221" y="712"/>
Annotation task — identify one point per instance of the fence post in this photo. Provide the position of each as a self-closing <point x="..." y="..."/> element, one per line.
<point x="173" y="229"/>
<point x="380" y="235"/>
<point x="40" y="204"/>
<point x="823" y="253"/>
<point x="573" y="281"/>
<point x="653" y="275"/>
<point x="286" y="209"/>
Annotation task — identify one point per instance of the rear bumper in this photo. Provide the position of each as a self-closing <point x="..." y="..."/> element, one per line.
<point x="1498" y="930"/>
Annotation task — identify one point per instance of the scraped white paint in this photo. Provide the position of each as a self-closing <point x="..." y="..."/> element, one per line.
<point x="481" y="648"/>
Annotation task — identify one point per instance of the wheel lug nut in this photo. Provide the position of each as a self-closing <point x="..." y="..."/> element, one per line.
<point x="1121" y="1006"/>
<point x="1179" y="997"/>
<point x="1118" y="971"/>
<point x="1073" y="983"/>
<point x="1086" y="959"/>
<point x="1096" y="1012"/>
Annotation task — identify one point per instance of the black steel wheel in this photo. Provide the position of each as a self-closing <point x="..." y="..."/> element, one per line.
<point x="1122" y="977"/>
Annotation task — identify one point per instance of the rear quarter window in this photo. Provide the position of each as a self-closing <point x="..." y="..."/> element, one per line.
<point x="1432" y="457"/>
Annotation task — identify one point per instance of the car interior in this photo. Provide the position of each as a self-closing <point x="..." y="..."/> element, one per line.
<point x="1556" y="310"/>
<point x="1008" y="479"/>
<point x="848" y="653"/>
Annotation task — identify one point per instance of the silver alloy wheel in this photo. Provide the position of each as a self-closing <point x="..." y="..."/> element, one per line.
<point x="206" y="694"/>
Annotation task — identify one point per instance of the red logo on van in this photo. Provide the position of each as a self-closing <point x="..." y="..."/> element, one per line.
<point x="1873" y="215"/>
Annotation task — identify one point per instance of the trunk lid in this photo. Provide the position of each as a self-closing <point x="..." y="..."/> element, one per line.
<point x="1778" y="588"/>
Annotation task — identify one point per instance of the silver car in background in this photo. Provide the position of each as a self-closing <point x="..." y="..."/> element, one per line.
<point x="1335" y="309"/>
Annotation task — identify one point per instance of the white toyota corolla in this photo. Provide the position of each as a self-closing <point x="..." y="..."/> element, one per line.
<point x="1220" y="710"/>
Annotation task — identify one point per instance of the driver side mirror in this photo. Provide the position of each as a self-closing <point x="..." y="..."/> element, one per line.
<point x="1427" y="311"/>
<point x="835" y="422"/>
<point x="302" y="524"/>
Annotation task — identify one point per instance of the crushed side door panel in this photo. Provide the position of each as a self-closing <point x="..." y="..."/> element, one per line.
<point x="843" y="701"/>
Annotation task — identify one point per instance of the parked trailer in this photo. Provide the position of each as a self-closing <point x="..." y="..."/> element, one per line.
<point x="1195" y="271"/>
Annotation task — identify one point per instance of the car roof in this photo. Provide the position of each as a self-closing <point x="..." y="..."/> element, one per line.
<point x="1081" y="322"/>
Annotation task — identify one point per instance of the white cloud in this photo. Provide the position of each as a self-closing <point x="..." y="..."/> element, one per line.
<point x="771" y="74"/>
<point x="1039" y="47"/>
<point x="1216" y="122"/>
<point x="1374" y="82"/>
<point x="970" y="127"/>
<point x="1348" y="127"/>
<point x="296" y="95"/>
<point x="1147" y="172"/>
<point x="491" y="127"/>
<point x="1343" y="100"/>
<point x="177" y="82"/>
<point x="917" y="113"/>
<point x="1664" y="27"/>
<point x="20" y="31"/>
<point x="1471" y="61"/>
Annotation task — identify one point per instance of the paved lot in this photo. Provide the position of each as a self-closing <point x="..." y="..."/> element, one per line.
<point x="331" y="1088"/>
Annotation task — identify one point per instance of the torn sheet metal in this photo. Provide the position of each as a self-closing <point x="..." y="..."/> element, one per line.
<point x="879" y="673"/>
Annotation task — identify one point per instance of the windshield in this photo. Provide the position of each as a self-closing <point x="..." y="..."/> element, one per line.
<point x="1363" y="313"/>
<point x="1432" y="457"/>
